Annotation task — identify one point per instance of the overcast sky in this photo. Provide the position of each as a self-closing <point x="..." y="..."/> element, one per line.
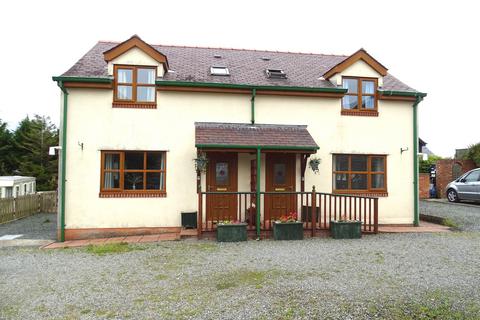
<point x="432" y="46"/>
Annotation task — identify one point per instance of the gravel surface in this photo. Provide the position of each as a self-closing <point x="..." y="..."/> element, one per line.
<point x="380" y="276"/>
<point x="38" y="226"/>
<point x="467" y="217"/>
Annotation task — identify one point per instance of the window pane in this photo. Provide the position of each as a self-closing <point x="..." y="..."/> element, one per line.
<point x="155" y="161"/>
<point x="341" y="181"/>
<point x="124" y="75"/>
<point x="146" y="94"/>
<point x="368" y="87"/>
<point x="146" y="76"/>
<point x="473" y="177"/>
<point x="221" y="173"/>
<point x="124" y="92"/>
<point x="153" y="180"/>
<point x="111" y="180"/>
<point x="378" y="181"/>
<point x="112" y="161"/>
<point x="351" y="85"/>
<point x="359" y="163"/>
<point x="279" y="173"/>
<point x="350" y="102"/>
<point x="341" y="163"/>
<point x="133" y="180"/>
<point x="368" y="102"/>
<point x="134" y="160"/>
<point x="378" y="164"/>
<point x="359" y="181"/>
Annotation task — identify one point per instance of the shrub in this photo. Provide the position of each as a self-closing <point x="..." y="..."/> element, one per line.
<point x="473" y="153"/>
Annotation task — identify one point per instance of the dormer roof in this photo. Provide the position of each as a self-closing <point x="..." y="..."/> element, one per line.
<point x="361" y="54"/>
<point x="135" y="42"/>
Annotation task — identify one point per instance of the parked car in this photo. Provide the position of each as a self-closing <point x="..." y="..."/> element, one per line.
<point x="466" y="187"/>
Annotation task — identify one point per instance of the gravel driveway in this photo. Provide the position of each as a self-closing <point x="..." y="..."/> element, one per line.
<point x="39" y="226"/>
<point x="387" y="276"/>
<point x="466" y="216"/>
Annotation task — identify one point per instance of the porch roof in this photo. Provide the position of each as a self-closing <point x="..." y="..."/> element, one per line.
<point x="246" y="135"/>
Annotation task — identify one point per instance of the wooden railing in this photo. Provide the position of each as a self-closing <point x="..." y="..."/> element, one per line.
<point x="325" y="206"/>
<point x="24" y="206"/>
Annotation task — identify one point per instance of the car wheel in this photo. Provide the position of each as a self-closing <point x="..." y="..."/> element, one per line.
<point x="452" y="195"/>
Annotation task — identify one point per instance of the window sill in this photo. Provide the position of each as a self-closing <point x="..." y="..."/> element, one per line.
<point x="134" y="194"/>
<point x="134" y="105"/>
<point x="361" y="193"/>
<point x="364" y="113"/>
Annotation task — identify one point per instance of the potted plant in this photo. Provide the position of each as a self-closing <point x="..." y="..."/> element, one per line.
<point x="345" y="228"/>
<point x="231" y="231"/>
<point x="288" y="228"/>
<point x="201" y="162"/>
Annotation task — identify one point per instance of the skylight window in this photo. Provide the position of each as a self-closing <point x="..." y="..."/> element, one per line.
<point x="276" y="74"/>
<point x="219" y="71"/>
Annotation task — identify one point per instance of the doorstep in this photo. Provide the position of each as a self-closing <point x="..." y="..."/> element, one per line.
<point x="130" y="239"/>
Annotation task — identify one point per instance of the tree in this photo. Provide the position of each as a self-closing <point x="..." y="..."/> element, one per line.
<point x="473" y="153"/>
<point x="31" y="141"/>
<point x="424" y="166"/>
<point x="6" y="150"/>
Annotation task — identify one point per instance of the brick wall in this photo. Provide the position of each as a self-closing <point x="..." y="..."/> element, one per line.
<point x="445" y="172"/>
<point x="424" y="185"/>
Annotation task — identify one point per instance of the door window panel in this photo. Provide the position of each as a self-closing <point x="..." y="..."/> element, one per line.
<point x="221" y="173"/>
<point x="473" y="176"/>
<point x="279" y="173"/>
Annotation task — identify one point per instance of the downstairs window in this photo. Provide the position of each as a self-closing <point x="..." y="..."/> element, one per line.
<point x="133" y="173"/>
<point x="359" y="173"/>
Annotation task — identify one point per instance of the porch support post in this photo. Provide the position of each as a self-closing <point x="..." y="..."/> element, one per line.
<point x="303" y="166"/>
<point x="258" y="191"/>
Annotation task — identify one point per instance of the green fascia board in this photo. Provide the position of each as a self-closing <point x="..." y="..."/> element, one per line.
<point x="246" y="86"/>
<point x="402" y="93"/>
<point x="232" y="146"/>
<point x="83" y="79"/>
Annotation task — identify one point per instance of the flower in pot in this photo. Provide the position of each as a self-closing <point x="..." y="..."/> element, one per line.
<point x="231" y="231"/>
<point x="314" y="163"/>
<point x="345" y="228"/>
<point x="201" y="163"/>
<point x="286" y="227"/>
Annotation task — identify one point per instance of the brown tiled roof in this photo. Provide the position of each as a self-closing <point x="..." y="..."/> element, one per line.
<point x="245" y="134"/>
<point x="247" y="67"/>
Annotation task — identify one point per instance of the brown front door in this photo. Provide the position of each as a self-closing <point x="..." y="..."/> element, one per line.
<point x="222" y="177"/>
<point x="280" y="178"/>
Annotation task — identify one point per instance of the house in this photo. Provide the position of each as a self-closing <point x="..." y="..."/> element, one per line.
<point x="16" y="186"/>
<point x="139" y="119"/>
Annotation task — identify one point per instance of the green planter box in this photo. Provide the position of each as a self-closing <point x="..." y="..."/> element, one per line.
<point x="346" y="229"/>
<point x="232" y="232"/>
<point x="288" y="231"/>
<point x="189" y="220"/>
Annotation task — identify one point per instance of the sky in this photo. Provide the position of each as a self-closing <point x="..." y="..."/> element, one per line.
<point x="433" y="46"/>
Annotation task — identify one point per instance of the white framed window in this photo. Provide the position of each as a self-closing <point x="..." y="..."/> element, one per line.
<point x="219" y="71"/>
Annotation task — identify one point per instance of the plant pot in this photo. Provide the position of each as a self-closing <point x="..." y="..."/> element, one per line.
<point x="288" y="231"/>
<point x="232" y="232"/>
<point x="189" y="220"/>
<point x="346" y="229"/>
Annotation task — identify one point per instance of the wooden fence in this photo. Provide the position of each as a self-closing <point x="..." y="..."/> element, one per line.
<point x="21" y="207"/>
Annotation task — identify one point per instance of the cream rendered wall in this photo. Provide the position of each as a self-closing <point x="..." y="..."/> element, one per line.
<point x="136" y="57"/>
<point x="385" y="134"/>
<point x="93" y="122"/>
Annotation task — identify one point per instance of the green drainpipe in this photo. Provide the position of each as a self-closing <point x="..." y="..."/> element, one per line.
<point x="64" y="159"/>
<point x="258" y="191"/>
<point x="416" y="214"/>
<point x="252" y="100"/>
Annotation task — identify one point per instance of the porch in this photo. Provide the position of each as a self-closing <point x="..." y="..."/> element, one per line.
<point x="256" y="173"/>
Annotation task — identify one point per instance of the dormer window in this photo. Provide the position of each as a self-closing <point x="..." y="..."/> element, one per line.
<point x="276" y="74"/>
<point x="360" y="96"/>
<point x="134" y="85"/>
<point x="219" y="71"/>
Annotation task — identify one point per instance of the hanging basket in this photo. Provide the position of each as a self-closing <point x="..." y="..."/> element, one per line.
<point x="314" y="163"/>
<point x="201" y="163"/>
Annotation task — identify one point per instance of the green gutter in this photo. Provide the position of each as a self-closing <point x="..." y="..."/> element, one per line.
<point x="233" y="146"/>
<point x="168" y="83"/>
<point x="64" y="159"/>
<point x="82" y="79"/>
<point x="258" y="191"/>
<point x="402" y="93"/>
<point x="416" y="214"/>
<point x="252" y="100"/>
